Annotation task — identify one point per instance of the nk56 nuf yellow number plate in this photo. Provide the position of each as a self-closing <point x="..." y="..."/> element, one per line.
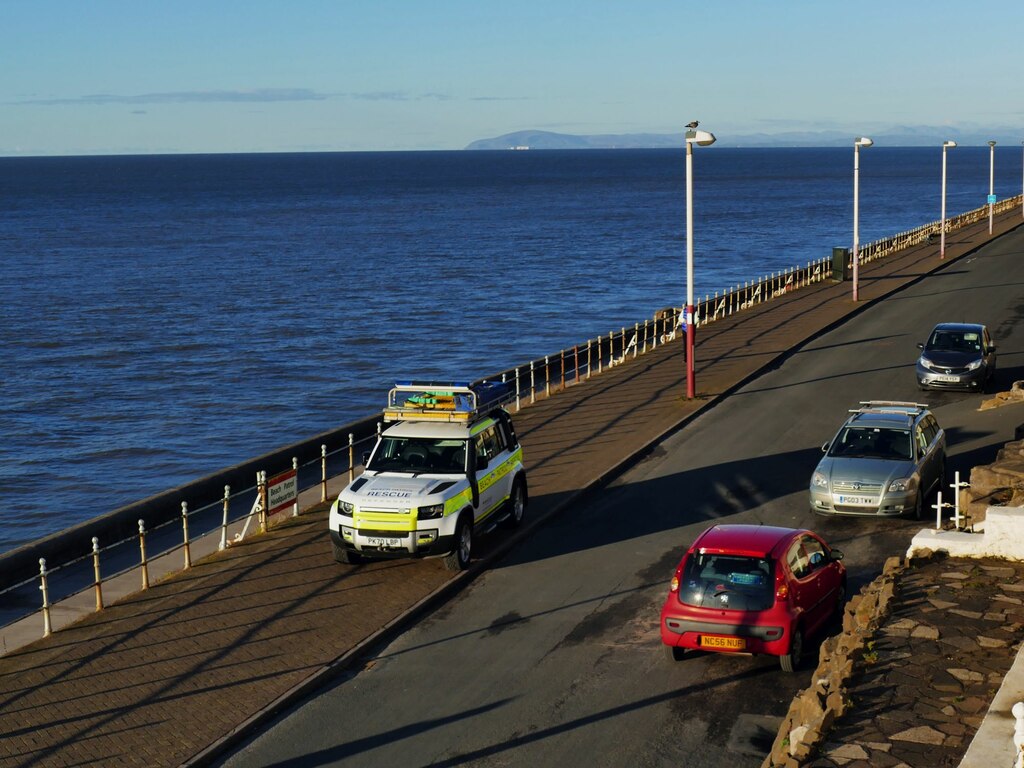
<point x="732" y="643"/>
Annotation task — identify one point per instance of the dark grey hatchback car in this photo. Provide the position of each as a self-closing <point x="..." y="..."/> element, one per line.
<point x="956" y="356"/>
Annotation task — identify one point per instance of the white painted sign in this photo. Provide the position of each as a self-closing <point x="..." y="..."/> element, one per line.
<point x="282" y="491"/>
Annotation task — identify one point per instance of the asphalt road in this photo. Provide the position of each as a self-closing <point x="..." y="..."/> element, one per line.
<point x="553" y="657"/>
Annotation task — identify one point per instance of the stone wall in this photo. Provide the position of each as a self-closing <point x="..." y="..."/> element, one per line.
<point x="815" y="709"/>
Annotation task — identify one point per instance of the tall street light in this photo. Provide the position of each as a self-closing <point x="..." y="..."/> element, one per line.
<point x="703" y="139"/>
<point x="860" y="141"/>
<point x="991" y="182"/>
<point x="942" y="237"/>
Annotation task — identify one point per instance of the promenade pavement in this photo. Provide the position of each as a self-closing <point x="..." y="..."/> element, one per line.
<point x="174" y="674"/>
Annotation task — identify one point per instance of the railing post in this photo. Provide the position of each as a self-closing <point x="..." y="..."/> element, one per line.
<point x="600" y="360"/>
<point x="547" y="377"/>
<point x="224" y="519"/>
<point x="295" y="469"/>
<point x="938" y="511"/>
<point x="589" y="342"/>
<point x="97" y="581"/>
<point x="561" y="360"/>
<point x="517" y="390"/>
<point x="323" y="472"/>
<point x="184" y="528"/>
<point x="47" y="626"/>
<point x="576" y="361"/>
<point x="351" y="457"/>
<point x="533" y="384"/>
<point x="263" y="501"/>
<point x="143" y="564"/>
<point x="636" y="335"/>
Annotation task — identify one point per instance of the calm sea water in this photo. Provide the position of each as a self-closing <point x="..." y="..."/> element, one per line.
<point x="167" y="316"/>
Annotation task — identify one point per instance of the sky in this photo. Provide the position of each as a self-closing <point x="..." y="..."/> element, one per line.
<point x="131" y="77"/>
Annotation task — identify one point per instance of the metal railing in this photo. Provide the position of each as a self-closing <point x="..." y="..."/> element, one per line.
<point x="537" y="379"/>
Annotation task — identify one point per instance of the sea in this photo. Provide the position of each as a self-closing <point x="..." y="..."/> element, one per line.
<point x="167" y="316"/>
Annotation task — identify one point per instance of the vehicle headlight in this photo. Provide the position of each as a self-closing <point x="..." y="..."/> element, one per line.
<point x="345" y="508"/>
<point x="925" y="362"/>
<point x="819" y="480"/>
<point x="903" y="485"/>
<point x="974" y="365"/>
<point x="434" y="510"/>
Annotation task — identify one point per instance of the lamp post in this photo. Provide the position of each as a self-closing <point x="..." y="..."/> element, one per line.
<point x="860" y="141"/>
<point x="942" y="237"/>
<point x="703" y="139"/>
<point x="991" y="182"/>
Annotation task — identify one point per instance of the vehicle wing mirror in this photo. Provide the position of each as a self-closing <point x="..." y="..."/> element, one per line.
<point x="824" y="448"/>
<point x="991" y="347"/>
<point x="837" y="554"/>
<point x="920" y="345"/>
<point x="481" y="462"/>
<point x="366" y="458"/>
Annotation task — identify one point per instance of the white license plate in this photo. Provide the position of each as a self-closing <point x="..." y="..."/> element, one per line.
<point x="948" y="379"/>
<point x="380" y="541"/>
<point x="858" y="501"/>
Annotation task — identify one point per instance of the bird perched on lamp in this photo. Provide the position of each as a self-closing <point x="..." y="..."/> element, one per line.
<point x="692" y="125"/>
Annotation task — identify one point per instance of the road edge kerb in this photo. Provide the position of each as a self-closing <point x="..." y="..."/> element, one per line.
<point x="333" y="669"/>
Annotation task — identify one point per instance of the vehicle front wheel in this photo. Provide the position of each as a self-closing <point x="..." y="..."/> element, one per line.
<point x="345" y="555"/>
<point x="674" y="653"/>
<point x="791" y="661"/>
<point x="458" y="558"/>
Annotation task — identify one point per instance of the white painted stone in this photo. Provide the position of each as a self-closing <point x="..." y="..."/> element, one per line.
<point x="1003" y="537"/>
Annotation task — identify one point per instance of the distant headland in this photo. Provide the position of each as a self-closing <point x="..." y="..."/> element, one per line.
<point x="896" y="136"/>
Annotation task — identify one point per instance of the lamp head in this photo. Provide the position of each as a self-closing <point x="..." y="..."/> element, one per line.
<point x="991" y="143"/>
<point x="862" y="141"/>
<point x="700" y="138"/>
<point x="948" y="144"/>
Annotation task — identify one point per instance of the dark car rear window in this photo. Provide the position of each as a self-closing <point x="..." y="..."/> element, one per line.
<point x="727" y="581"/>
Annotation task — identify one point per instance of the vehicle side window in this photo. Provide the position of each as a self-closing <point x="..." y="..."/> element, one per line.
<point x="922" y="441"/>
<point x="487" y="444"/>
<point x="797" y="561"/>
<point x="931" y="428"/>
<point x="815" y="552"/>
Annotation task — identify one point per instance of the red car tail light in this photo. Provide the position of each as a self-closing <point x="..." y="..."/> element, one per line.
<point x="782" y="592"/>
<point x="673" y="585"/>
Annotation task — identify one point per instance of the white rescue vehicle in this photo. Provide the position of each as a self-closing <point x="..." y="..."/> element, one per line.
<point x="449" y="468"/>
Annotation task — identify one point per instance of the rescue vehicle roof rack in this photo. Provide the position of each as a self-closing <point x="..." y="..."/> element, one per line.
<point x="454" y="401"/>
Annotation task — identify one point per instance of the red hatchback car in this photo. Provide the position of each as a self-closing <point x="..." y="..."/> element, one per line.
<point x="752" y="589"/>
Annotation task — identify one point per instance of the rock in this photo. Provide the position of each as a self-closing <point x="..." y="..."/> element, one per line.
<point x="922" y="734"/>
<point x="925" y="632"/>
<point x="849" y="752"/>
<point x="966" y="675"/>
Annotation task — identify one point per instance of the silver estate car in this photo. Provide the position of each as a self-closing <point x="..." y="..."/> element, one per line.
<point x="956" y="356"/>
<point x="885" y="459"/>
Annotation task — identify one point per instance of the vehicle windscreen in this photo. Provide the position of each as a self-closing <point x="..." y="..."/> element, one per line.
<point x="955" y="341"/>
<point x="727" y="581"/>
<point x="873" y="443"/>
<point x="419" y="455"/>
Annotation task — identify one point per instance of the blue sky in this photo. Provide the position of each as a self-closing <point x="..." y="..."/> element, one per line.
<point x="108" y="77"/>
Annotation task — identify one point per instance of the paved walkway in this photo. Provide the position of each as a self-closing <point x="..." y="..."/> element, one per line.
<point x="925" y="684"/>
<point x="168" y="676"/>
